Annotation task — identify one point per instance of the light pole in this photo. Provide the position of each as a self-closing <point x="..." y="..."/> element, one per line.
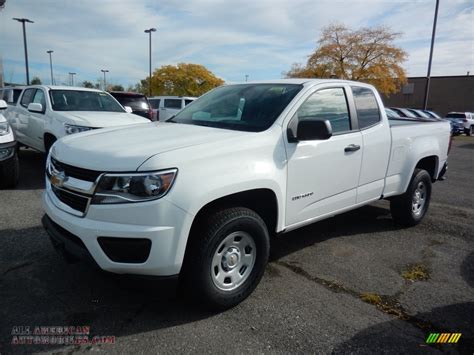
<point x="72" y="78"/>
<point x="51" y="65"/>
<point x="149" y="31"/>
<point x="23" y="20"/>
<point x="246" y="77"/>
<point x="428" y="75"/>
<point x="105" y="83"/>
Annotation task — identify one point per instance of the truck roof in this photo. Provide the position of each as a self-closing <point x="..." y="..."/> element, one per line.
<point x="61" y="87"/>
<point x="300" y="81"/>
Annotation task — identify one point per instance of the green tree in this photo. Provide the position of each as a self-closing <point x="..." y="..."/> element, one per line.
<point x="87" y="84"/>
<point x="116" y="88"/>
<point x="181" y="80"/>
<point x="366" y="54"/>
<point x="35" y="81"/>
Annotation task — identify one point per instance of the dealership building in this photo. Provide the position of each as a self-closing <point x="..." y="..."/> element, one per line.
<point x="446" y="94"/>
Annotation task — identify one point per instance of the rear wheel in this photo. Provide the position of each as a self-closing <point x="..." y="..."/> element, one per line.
<point x="410" y="208"/>
<point x="470" y="131"/>
<point x="226" y="259"/>
<point x="10" y="172"/>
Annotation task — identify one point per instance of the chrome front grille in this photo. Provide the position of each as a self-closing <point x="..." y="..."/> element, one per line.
<point x="72" y="186"/>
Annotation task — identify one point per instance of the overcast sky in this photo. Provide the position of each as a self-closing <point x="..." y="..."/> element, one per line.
<point x="261" y="38"/>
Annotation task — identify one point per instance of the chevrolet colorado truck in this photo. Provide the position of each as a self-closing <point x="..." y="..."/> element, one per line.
<point x="9" y="167"/>
<point x="45" y="113"/>
<point x="199" y="196"/>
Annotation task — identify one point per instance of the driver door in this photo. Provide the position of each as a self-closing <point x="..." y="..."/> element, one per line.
<point x="323" y="174"/>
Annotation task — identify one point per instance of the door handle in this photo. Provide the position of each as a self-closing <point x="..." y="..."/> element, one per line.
<point x="352" y="148"/>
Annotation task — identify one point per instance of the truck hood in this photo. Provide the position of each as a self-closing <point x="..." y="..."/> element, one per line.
<point x="102" y="119"/>
<point x="126" y="148"/>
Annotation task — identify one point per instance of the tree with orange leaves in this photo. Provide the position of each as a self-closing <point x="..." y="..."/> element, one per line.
<point x="367" y="54"/>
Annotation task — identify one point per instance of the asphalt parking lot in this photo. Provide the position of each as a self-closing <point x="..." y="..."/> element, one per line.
<point x="352" y="283"/>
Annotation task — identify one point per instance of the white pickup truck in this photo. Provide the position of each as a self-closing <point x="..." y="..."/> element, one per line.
<point x="44" y="114"/>
<point x="200" y="195"/>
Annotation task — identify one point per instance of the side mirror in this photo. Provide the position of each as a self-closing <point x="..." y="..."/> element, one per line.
<point x="3" y="105"/>
<point x="309" y="130"/>
<point x="128" y="109"/>
<point x="35" y="107"/>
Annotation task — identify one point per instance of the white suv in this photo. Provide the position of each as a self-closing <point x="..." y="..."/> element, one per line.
<point x="165" y="107"/>
<point x="44" y="114"/>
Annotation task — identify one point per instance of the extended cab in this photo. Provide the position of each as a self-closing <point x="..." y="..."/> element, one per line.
<point x="44" y="114"/>
<point x="199" y="195"/>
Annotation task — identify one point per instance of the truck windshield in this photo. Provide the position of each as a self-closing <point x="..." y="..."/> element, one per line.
<point x="243" y="107"/>
<point x="81" y="100"/>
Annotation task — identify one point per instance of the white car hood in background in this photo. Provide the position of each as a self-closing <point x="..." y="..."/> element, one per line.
<point x="100" y="119"/>
<point x="126" y="148"/>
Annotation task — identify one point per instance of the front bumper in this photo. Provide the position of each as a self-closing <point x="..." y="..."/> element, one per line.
<point x="164" y="224"/>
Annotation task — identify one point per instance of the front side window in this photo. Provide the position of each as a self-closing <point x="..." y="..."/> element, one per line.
<point x="187" y="102"/>
<point x="327" y="104"/>
<point x="173" y="103"/>
<point x="39" y="98"/>
<point x="80" y="100"/>
<point x="137" y="103"/>
<point x="367" y="108"/>
<point x="27" y="97"/>
<point x="244" y="107"/>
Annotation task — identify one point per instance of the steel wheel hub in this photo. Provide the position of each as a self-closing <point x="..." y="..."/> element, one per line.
<point x="419" y="199"/>
<point x="233" y="261"/>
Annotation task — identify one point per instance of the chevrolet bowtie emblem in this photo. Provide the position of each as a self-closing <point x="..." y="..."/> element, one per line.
<point x="58" y="179"/>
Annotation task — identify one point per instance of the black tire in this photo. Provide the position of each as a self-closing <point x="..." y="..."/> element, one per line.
<point x="10" y="172"/>
<point x="199" y="281"/>
<point x="404" y="211"/>
<point x="470" y="131"/>
<point x="48" y="143"/>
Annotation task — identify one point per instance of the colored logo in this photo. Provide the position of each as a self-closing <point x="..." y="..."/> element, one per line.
<point x="443" y="338"/>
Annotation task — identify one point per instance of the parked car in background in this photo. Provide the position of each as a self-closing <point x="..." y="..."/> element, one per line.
<point x="47" y="113"/>
<point x="403" y="112"/>
<point x="11" y="94"/>
<point x="432" y="114"/>
<point x="392" y="114"/>
<point x="467" y="120"/>
<point x="9" y="167"/>
<point x="200" y="195"/>
<point x="168" y="106"/>
<point x="419" y="113"/>
<point x="136" y="101"/>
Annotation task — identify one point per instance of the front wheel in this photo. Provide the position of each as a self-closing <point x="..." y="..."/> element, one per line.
<point x="410" y="208"/>
<point x="227" y="257"/>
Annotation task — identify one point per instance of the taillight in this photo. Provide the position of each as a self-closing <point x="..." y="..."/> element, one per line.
<point x="150" y="114"/>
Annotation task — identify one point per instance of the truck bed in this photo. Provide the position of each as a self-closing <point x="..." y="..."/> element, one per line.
<point x="412" y="139"/>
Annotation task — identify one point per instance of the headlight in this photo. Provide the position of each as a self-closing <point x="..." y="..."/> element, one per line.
<point x="71" y="129"/>
<point x="4" y="128"/>
<point x="120" y="188"/>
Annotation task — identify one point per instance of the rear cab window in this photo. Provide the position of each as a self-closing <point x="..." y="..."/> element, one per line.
<point x="368" y="111"/>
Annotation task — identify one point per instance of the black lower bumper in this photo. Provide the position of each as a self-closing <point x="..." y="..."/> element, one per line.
<point x="11" y="146"/>
<point x="73" y="249"/>
<point x="66" y="243"/>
